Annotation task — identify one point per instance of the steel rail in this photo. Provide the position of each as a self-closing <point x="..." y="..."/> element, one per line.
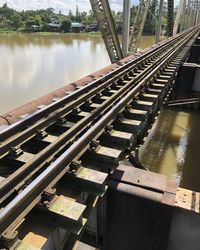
<point x="25" y="200"/>
<point x="30" y="131"/>
<point x="22" y="174"/>
<point x="5" y="146"/>
<point x="51" y="119"/>
<point x="14" y="128"/>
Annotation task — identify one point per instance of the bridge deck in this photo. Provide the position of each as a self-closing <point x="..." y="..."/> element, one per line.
<point x="56" y="161"/>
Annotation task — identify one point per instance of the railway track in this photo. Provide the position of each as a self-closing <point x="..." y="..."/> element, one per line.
<point x="79" y="139"/>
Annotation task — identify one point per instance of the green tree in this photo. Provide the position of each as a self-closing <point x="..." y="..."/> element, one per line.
<point x="66" y="25"/>
<point x="5" y="6"/>
<point x="38" y="20"/>
<point x="150" y="24"/>
<point x="77" y="10"/>
<point x="16" y="21"/>
<point x="30" y="21"/>
<point x="51" y="10"/>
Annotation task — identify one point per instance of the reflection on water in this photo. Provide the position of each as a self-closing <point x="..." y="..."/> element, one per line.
<point x="32" y="65"/>
<point x="172" y="147"/>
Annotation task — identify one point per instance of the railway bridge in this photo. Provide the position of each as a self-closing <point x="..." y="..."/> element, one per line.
<point x="69" y="173"/>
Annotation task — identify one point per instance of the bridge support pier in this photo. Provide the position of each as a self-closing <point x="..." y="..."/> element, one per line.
<point x="144" y="210"/>
<point x="184" y="233"/>
<point x="139" y="210"/>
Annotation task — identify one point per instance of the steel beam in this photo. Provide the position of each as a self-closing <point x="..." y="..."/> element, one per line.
<point x="182" y="23"/>
<point x="178" y="16"/>
<point x="159" y="21"/>
<point x="197" y="17"/>
<point x="101" y="9"/>
<point x="170" y="17"/>
<point x="126" y="27"/>
<point x="138" y="25"/>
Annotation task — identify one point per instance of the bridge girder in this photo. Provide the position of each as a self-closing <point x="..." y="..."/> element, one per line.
<point x="101" y="9"/>
<point x="187" y="15"/>
<point x="138" y="25"/>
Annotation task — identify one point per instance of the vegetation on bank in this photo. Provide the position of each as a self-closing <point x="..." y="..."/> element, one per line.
<point x="46" y="21"/>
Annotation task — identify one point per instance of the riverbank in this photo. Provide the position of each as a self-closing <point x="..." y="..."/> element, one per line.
<point x="45" y="33"/>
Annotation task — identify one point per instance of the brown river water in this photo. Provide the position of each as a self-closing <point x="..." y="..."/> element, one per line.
<point x="32" y="65"/>
<point x="172" y="147"/>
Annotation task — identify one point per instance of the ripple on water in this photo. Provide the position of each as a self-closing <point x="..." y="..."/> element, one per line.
<point x="172" y="147"/>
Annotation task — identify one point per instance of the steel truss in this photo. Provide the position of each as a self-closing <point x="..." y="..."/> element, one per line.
<point x="138" y="25"/>
<point x="187" y="15"/>
<point x="106" y="24"/>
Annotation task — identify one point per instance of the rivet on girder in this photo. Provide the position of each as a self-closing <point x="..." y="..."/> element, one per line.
<point x="9" y="240"/>
<point x="128" y="107"/>
<point x="141" y="93"/>
<point x="61" y="120"/>
<point x="94" y="145"/>
<point x="41" y="134"/>
<point x="88" y="102"/>
<point x="126" y="77"/>
<point x="108" y="129"/>
<point x="120" y="116"/>
<point x="76" y="111"/>
<point x="115" y="83"/>
<point x="106" y="90"/>
<point x="74" y="167"/>
<point x="15" y="152"/>
<point x="98" y="95"/>
<point x="48" y="196"/>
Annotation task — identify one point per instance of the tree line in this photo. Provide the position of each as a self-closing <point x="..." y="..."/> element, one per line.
<point x="11" y="19"/>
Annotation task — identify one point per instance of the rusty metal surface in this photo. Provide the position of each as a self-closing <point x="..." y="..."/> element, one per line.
<point x="14" y="115"/>
<point x="170" y="193"/>
<point x="188" y="199"/>
<point x="140" y="178"/>
<point x="28" y="108"/>
<point x="136" y="191"/>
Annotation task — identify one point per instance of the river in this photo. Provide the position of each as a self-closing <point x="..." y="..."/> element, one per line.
<point x="33" y="65"/>
<point x="172" y="147"/>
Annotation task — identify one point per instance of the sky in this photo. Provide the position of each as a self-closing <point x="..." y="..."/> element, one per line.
<point x="63" y="5"/>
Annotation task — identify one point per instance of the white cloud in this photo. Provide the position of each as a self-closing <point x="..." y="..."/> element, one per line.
<point x="63" y="5"/>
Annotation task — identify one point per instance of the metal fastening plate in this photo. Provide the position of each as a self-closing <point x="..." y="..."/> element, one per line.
<point x="121" y="140"/>
<point x="42" y="106"/>
<point x="109" y="152"/>
<point x="15" y="152"/>
<point x="145" y="179"/>
<point x="88" y="180"/>
<point x="26" y="246"/>
<point x="187" y="199"/>
<point x="95" y="178"/>
<point x="67" y="208"/>
<point x="25" y="157"/>
<point x="92" y="175"/>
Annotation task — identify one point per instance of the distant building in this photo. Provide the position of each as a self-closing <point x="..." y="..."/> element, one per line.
<point x="33" y="28"/>
<point x="54" y="25"/>
<point x="77" y="27"/>
<point x="92" y="27"/>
